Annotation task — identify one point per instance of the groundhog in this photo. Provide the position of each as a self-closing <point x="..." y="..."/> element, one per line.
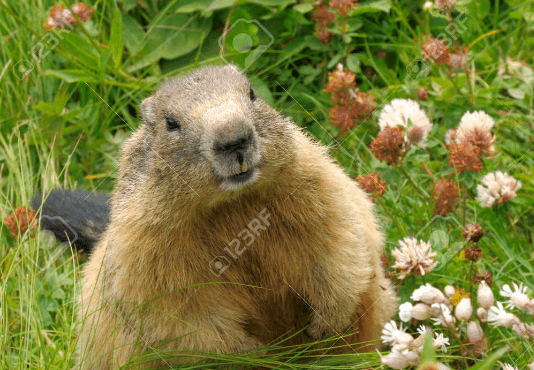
<point x="229" y="229"/>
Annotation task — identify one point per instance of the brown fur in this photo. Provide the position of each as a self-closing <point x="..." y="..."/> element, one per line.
<point x="316" y="263"/>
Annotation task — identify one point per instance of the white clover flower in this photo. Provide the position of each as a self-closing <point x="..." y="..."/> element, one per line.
<point x="408" y="114"/>
<point x="394" y="335"/>
<point x="478" y="124"/>
<point x="485" y="295"/>
<point x="445" y="5"/>
<point x="428" y="5"/>
<point x="500" y="188"/>
<point x="518" y="298"/>
<point x="429" y="295"/>
<point x="441" y="341"/>
<point x="413" y="257"/>
<point x="531" y="366"/>
<point x="498" y="316"/>
<point x="506" y="366"/>
<point x="404" y="311"/>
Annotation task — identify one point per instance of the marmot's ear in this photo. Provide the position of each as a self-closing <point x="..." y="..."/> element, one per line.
<point x="148" y="111"/>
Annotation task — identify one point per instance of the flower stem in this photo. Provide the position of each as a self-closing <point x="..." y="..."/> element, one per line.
<point x="411" y="180"/>
<point x="392" y="217"/>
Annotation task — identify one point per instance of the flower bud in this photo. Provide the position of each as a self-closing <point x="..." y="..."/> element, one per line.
<point x="485" y="295"/>
<point x="412" y="357"/>
<point x="482" y="314"/>
<point x="449" y="291"/>
<point x="474" y="332"/>
<point x="464" y="309"/>
<point x="421" y="311"/>
<point x="405" y="311"/>
<point x="395" y="360"/>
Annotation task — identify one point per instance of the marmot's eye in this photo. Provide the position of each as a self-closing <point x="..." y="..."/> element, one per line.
<point x="172" y="124"/>
<point x="252" y="95"/>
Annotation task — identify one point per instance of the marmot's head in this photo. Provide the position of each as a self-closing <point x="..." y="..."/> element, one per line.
<point x="211" y="129"/>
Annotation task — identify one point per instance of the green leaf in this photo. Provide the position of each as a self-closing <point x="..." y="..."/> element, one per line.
<point x="488" y="362"/>
<point x="58" y="293"/>
<point x="376" y="6"/>
<point x="128" y="4"/>
<point x="132" y="34"/>
<point x="52" y="305"/>
<point x="115" y="38"/>
<point x="81" y="49"/>
<point x="71" y="75"/>
<point x="331" y="64"/>
<point x="353" y="63"/>
<point x="314" y="43"/>
<point x="303" y="8"/>
<point x="262" y="90"/>
<point x="428" y="354"/>
<point x="193" y="6"/>
<point x="219" y="4"/>
<point x="183" y="35"/>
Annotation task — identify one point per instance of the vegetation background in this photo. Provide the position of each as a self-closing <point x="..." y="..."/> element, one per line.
<point x="70" y="98"/>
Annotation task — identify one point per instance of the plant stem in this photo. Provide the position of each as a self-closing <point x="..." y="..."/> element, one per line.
<point x="393" y="218"/>
<point x="411" y="180"/>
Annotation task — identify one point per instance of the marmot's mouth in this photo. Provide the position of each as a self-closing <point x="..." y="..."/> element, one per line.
<point x="242" y="176"/>
<point x="240" y="179"/>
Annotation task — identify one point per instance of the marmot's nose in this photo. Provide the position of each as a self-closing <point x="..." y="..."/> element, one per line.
<point x="232" y="146"/>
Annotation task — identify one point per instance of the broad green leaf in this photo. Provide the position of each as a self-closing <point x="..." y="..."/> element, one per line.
<point x="303" y="8"/>
<point x="193" y="6"/>
<point x="314" y="43"/>
<point x="115" y="38"/>
<point x="376" y="6"/>
<point x="488" y="362"/>
<point x="219" y="4"/>
<point x="132" y="34"/>
<point x="428" y="354"/>
<point x="80" y="48"/>
<point x="128" y="4"/>
<point x="262" y="90"/>
<point x="184" y="34"/>
<point x="353" y="63"/>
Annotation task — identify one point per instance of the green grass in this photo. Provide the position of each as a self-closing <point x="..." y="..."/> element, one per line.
<point x="63" y="124"/>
